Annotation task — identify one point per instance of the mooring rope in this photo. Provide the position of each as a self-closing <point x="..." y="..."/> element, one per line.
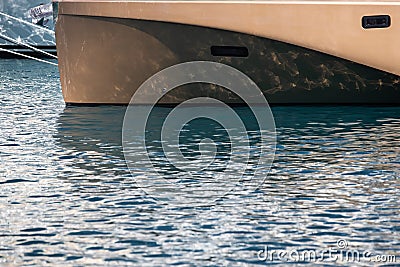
<point x="23" y="55"/>
<point x="28" y="23"/>
<point x="15" y="41"/>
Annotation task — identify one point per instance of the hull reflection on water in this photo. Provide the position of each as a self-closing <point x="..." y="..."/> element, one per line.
<point x="345" y="137"/>
<point x="92" y="138"/>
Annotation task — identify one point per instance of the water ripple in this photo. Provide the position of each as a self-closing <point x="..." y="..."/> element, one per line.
<point x="67" y="197"/>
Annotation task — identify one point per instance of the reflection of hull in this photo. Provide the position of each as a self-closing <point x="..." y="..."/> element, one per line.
<point x="91" y="136"/>
<point x="97" y="131"/>
<point x="298" y="52"/>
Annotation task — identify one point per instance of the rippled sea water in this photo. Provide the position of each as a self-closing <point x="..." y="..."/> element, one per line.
<point x="67" y="197"/>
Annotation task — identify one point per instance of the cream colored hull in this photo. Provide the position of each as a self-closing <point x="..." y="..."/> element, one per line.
<point x="298" y="52"/>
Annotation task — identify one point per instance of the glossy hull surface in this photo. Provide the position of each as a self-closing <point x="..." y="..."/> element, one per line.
<point x="108" y="49"/>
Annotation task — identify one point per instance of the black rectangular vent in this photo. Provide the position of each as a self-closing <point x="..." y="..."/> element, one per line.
<point x="229" y="51"/>
<point x="378" y="21"/>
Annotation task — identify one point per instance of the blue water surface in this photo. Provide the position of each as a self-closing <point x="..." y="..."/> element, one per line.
<point x="67" y="197"/>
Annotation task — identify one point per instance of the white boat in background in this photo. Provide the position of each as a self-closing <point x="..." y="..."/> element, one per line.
<point x="21" y="38"/>
<point x="297" y="52"/>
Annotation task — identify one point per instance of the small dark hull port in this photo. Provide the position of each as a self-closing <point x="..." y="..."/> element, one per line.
<point x="109" y="58"/>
